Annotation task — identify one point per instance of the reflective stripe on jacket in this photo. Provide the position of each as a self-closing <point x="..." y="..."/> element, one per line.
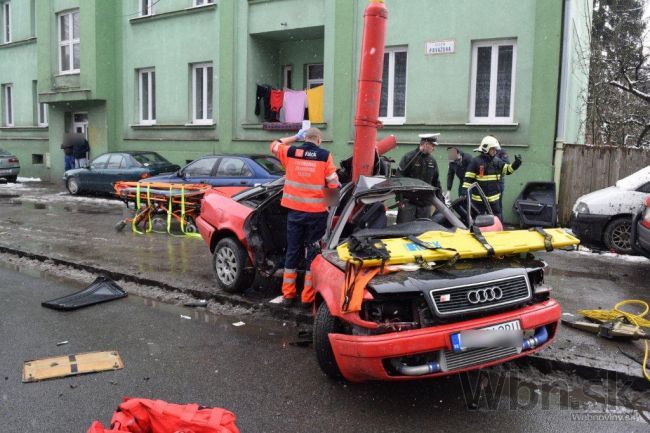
<point x="487" y="172"/>
<point x="309" y="170"/>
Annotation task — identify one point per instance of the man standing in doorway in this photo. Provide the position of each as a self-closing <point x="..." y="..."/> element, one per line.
<point x="310" y="176"/>
<point x="419" y="164"/>
<point x="80" y="150"/>
<point x="458" y="162"/>
<point x="68" y="157"/>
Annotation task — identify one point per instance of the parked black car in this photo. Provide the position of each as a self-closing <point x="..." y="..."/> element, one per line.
<point x="111" y="167"/>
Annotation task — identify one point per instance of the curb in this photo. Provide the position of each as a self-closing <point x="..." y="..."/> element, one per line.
<point x="537" y="361"/>
<point x="276" y="311"/>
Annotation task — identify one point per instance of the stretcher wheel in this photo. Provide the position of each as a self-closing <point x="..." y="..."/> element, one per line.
<point x="325" y="324"/>
<point x="120" y="226"/>
<point x="231" y="266"/>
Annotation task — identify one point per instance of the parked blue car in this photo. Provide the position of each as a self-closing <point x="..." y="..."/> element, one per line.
<point x="226" y="170"/>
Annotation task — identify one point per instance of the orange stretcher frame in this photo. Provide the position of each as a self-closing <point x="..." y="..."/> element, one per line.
<point x="181" y="202"/>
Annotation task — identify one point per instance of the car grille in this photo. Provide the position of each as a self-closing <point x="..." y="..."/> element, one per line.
<point x="451" y="301"/>
<point x="451" y="360"/>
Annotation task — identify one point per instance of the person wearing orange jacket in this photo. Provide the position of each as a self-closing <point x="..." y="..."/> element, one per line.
<point x="310" y="173"/>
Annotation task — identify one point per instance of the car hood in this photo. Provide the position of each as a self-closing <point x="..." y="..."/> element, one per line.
<point x="613" y="201"/>
<point x="74" y="171"/>
<point x="461" y="273"/>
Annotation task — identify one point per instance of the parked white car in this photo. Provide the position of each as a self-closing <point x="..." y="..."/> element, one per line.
<point x="604" y="217"/>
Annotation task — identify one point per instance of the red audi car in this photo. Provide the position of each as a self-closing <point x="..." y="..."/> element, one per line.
<point x="417" y="322"/>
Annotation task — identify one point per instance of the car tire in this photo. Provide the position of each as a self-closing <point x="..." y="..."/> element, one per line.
<point x="325" y="324"/>
<point x="231" y="266"/>
<point x="11" y="179"/>
<point x="618" y="235"/>
<point x="72" y="185"/>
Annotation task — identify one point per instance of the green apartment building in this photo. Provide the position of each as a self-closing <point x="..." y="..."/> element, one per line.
<point x="179" y="76"/>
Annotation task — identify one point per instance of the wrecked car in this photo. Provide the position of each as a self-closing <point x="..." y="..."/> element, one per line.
<point x="411" y="320"/>
<point x="604" y="217"/>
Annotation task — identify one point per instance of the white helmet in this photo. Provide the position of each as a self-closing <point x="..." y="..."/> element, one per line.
<point x="488" y="142"/>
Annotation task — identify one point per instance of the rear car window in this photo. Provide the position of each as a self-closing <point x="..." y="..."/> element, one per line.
<point x="270" y="164"/>
<point x="148" y="157"/>
<point x="100" y="161"/>
<point x="4" y="152"/>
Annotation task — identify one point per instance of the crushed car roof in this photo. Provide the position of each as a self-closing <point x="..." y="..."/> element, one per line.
<point x="368" y="184"/>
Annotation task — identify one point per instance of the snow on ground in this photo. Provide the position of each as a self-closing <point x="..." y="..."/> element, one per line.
<point x="29" y="179"/>
<point x="627" y="258"/>
<point x="63" y="197"/>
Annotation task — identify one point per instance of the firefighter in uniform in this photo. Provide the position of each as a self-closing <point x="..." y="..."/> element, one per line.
<point x="487" y="170"/>
<point x="310" y="179"/>
<point x="419" y="164"/>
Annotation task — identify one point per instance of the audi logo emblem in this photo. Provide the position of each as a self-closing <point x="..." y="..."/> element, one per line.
<point x="480" y="296"/>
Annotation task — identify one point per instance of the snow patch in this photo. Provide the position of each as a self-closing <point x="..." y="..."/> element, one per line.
<point x="29" y="179"/>
<point x="623" y="257"/>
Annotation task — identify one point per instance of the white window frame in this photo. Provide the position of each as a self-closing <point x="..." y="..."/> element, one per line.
<point x="150" y="120"/>
<point x="42" y="116"/>
<point x="8" y="95"/>
<point x="286" y="70"/>
<point x="389" y="119"/>
<point x="6" y="22"/>
<point x="314" y="82"/>
<point x="204" y="88"/>
<point x="199" y="3"/>
<point x="70" y="43"/>
<point x="147" y="5"/>
<point x="492" y="118"/>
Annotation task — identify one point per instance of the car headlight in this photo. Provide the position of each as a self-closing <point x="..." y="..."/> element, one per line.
<point x="581" y="208"/>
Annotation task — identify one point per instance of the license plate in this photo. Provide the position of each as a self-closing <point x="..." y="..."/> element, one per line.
<point x="490" y="336"/>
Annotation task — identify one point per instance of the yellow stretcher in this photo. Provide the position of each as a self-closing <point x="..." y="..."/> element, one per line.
<point x="463" y="244"/>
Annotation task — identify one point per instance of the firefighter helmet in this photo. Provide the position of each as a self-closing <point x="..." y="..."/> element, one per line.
<point x="488" y="142"/>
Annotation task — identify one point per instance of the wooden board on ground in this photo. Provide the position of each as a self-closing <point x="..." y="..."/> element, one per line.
<point x="70" y="365"/>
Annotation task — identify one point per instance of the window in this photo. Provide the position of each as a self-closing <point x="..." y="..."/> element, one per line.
<point x="287" y="73"/>
<point x="100" y="161"/>
<point x="493" y="73"/>
<point x="233" y="167"/>
<point x="202" y="93"/>
<point x="6" y="22"/>
<point x="37" y="158"/>
<point x="69" y="61"/>
<point x="7" y="94"/>
<point x="147" y="86"/>
<point x="314" y="75"/>
<point x="203" y="2"/>
<point x="645" y="188"/>
<point x="116" y="161"/>
<point x="202" y="167"/>
<point x="146" y="7"/>
<point x="42" y="114"/>
<point x="392" y="107"/>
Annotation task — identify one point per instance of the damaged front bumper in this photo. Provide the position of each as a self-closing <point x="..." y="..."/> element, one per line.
<point x="377" y="357"/>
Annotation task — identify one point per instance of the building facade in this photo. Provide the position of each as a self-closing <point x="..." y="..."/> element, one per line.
<point x="180" y="76"/>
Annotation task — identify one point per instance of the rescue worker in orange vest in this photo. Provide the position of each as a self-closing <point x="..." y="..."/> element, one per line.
<point x="310" y="179"/>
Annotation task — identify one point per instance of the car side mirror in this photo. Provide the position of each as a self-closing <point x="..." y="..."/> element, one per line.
<point x="484" y="220"/>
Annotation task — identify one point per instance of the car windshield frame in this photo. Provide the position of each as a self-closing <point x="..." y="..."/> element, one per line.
<point x="268" y="158"/>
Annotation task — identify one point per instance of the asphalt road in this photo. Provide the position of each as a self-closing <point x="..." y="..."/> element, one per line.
<point x="252" y="370"/>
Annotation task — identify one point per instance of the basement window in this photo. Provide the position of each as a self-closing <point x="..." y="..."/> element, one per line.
<point x="37" y="158"/>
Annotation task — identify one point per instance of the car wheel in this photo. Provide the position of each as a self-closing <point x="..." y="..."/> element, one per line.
<point x="12" y="179"/>
<point x="72" y="185"/>
<point x="229" y="263"/>
<point x="325" y="324"/>
<point x="618" y="236"/>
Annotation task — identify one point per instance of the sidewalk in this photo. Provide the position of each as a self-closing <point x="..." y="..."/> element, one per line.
<point x="43" y="222"/>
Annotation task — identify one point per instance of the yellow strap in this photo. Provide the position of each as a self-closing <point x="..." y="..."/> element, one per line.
<point x="134" y="225"/>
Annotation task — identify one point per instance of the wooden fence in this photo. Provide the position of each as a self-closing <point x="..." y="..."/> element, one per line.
<point x="589" y="168"/>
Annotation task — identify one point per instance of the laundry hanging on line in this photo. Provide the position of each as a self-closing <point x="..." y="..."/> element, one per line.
<point x="289" y="106"/>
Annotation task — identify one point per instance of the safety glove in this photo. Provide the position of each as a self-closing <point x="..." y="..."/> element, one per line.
<point x="300" y="136"/>
<point x="517" y="163"/>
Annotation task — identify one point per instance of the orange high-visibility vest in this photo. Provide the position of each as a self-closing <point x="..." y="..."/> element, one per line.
<point x="309" y="170"/>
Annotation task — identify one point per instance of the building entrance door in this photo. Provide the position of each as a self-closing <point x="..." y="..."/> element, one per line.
<point x="80" y="124"/>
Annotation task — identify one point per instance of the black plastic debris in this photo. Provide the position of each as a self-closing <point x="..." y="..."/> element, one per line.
<point x="101" y="290"/>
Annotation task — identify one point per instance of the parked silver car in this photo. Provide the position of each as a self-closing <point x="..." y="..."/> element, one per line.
<point x="9" y="166"/>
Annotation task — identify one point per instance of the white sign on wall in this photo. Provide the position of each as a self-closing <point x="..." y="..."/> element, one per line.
<point x="440" y="47"/>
